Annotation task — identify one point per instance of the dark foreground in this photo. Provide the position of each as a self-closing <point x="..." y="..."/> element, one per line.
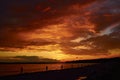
<point x="102" y="71"/>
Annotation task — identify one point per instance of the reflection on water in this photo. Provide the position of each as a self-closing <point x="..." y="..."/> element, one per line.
<point x="12" y="69"/>
<point x="82" y="78"/>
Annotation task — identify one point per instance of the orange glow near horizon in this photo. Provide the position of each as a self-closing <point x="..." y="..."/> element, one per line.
<point x="63" y="30"/>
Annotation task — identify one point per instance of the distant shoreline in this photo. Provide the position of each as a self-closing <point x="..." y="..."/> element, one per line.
<point x="76" y="61"/>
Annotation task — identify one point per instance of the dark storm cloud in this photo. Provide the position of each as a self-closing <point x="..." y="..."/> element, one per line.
<point x="95" y="45"/>
<point x="20" y="16"/>
<point x="28" y="14"/>
<point x="103" y="14"/>
<point x="106" y="13"/>
<point x="105" y="42"/>
<point x="8" y="44"/>
<point x="38" y="42"/>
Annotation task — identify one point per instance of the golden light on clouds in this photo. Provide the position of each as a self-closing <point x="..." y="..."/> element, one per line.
<point x="77" y="40"/>
<point x="56" y="54"/>
<point x="115" y="52"/>
<point x="81" y="47"/>
<point x="60" y="29"/>
<point x="47" y="51"/>
<point x="52" y="32"/>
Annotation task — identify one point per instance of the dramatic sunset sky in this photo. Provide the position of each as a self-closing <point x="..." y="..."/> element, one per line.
<point x="48" y="30"/>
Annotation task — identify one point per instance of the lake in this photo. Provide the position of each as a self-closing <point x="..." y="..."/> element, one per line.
<point x="13" y="69"/>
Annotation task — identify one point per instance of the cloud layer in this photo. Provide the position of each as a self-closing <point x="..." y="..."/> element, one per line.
<point x="80" y="27"/>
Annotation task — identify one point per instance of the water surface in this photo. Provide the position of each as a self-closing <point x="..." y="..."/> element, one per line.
<point x="12" y="69"/>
